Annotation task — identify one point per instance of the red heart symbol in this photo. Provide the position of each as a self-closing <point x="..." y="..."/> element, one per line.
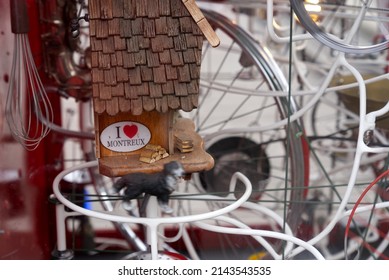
<point x="130" y="130"/>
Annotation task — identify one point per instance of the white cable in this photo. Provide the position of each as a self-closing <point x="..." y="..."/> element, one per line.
<point x="151" y="223"/>
<point x="252" y="206"/>
<point x="272" y="33"/>
<point x="277" y="218"/>
<point x="263" y="233"/>
<point x="266" y="245"/>
<point x="189" y="246"/>
<point x="357" y="158"/>
<point x="173" y="238"/>
<point x="148" y="221"/>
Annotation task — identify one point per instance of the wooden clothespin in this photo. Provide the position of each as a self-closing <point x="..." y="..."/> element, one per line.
<point x="202" y="22"/>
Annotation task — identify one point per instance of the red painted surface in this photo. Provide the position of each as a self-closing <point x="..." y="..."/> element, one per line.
<point x="26" y="217"/>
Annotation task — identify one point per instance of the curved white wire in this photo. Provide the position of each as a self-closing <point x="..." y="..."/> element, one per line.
<point x="259" y="208"/>
<point x="266" y="245"/>
<point x="271" y="31"/>
<point x="263" y="233"/>
<point x="147" y="221"/>
<point x="153" y="222"/>
<point x="361" y="148"/>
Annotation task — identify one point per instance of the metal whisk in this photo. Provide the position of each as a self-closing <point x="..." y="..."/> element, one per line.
<point x="27" y="101"/>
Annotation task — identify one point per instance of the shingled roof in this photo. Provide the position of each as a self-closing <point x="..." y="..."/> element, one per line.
<point x="145" y="55"/>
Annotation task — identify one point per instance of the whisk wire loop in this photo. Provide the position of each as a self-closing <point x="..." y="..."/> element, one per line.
<point x="27" y="101"/>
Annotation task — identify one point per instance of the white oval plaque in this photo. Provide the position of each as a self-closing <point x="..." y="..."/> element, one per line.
<point x="125" y="136"/>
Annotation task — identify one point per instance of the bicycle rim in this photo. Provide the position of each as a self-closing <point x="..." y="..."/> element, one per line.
<point x="340" y="12"/>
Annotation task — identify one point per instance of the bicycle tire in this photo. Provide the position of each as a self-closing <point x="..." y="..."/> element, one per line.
<point x="328" y="39"/>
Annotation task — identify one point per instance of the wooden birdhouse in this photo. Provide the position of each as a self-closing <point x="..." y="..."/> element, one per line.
<point x="145" y="57"/>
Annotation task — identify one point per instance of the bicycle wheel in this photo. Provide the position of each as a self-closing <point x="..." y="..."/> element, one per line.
<point x="334" y="138"/>
<point x="236" y="117"/>
<point x="342" y="25"/>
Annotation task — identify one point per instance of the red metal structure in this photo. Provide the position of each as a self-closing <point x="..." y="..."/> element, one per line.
<point x="26" y="216"/>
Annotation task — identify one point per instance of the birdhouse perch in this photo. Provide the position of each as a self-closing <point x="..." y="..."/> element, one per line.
<point x="145" y="57"/>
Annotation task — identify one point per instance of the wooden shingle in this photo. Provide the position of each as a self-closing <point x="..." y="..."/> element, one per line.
<point x="140" y="57"/>
<point x="146" y="73"/>
<point x="99" y="105"/>
<point x="129" y="9"/>
<point x="114" y="26"/>
<point x="117" y="8"/>
<point x="164" y="7"/>
<point x="122" y="74"/>
<point x="118" y="91"/>
<point x="178" y="9"/>
<point x="157" y="44"/>
<point x="141" y="8"/>
<point x="155" y="90"/>
<point x="104" y="60"/>
<point x="110" y="78"/>
<point x="152" y="59"/>
<point x="174" y="102"/>
<point x="152" y="8"/>
<point x="128" y="59"/>
<point x="119" y="43"/>
<point x="183" y="74"/>
<point x="161" y="26"/>
<point x="189" y="56"/>
<point x="194" y="71"/>
<point x="173" y="26"/>
<point x="130" y="92"/>
<point x="180" y="42"/>
<point x="105" y="92"/>
<point x="168" y="88"/>
<point x="143" y="89"/>
<point x="149" y="28"/>
<point x="125" y="28"/>
<point x="95" y="60"/>
<point x="193" y="87"/>
<point x="94" y="10"/>
<point x="135" y="76"/>
<point x="136" y="106"/>
<point x="106" y="10"/>
<point x="97" y="76"/>
<point x="108" y="44"/>
<point x="164" y="57"/>
<point x="161" y="104"/>
<point x="101" y="29"/>
<point x="124" y="105"/>
<point x="144" y="43"/>
<point x="186" y="25"/>
<point x="171" y="72"/>
<point x="114" y="61"/>
<point x="112" y="106"/>
<point x="96" y="44"/>
<point x="180" y="89"/>
<point x="137" y="26"/>
<point x="148" y="103"/>
<point x="159" y="74"/>
<point x="132" y="44"/>
<point x="177" y="58"/>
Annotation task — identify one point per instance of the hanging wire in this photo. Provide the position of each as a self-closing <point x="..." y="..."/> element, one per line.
<point x="27" y="101"/>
